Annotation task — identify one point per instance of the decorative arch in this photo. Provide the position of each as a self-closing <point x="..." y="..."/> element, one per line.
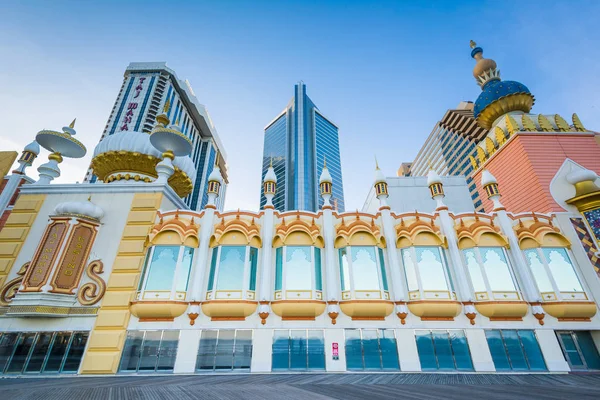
<point x="298" y="232"/>
<point x="479" y="233"/>
<point x="419" y="233"/>
<point x="236" y="231"/>
<point x="358" y="232"/>
<point x="174" y="231"/>
<point x="540" y="234"/>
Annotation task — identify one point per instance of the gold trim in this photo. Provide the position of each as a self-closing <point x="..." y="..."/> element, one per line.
<point x="92" y="292"/>
<point x="52" y="310"/>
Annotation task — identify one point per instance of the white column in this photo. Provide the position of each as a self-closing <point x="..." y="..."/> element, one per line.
<point x="9" y="190"/>
<point x="335" y="336"/>
<point x="187" y="350"/>
<point x="480" y="351"/>
<point x="447" y="225"/>
<point x="553" y="355"/>
<point x="262" y="350"/>
<point x="395" y="268"/>
<point x="266" y="287"/>
<point x="330" y="256"/>
<point x="206" y="228"/>
<point x="407" y="350"/>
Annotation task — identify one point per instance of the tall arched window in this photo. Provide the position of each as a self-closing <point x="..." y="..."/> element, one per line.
<point x="554" y="273"/>
<point x="491" y="274"/>
<point x="362" y="273"/>
<point x="298" y="273"/>
<point x="233" y="271"/>
<point x="427" y="273"/>
<point x="166" y="273"/>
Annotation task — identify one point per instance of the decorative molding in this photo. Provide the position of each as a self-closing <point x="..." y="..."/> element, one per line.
<point x="92" y="292"/>
<point x="9" y="290"/>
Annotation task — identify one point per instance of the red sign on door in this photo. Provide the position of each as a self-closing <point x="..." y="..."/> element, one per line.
<point x="335" y="351"/>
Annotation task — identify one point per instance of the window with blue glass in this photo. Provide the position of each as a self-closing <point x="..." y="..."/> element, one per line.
<point x="298" y="349"/>
<point x="371" y="349"/>
<point x="579" y="349"/>
<point x="298" y="271"/>
<point x="443" y="350"/>
<point x="362" y="268"/>
<point x="515" y="350"/>
<point x="275" y="152"/>
<point x="232" y="269"/>
<point x="149" y="351"/>
<point x="224" y="350"/>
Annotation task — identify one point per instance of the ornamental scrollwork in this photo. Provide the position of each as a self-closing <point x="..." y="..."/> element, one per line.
<point x="92" y="292"/>
<point x="10" y="289"/>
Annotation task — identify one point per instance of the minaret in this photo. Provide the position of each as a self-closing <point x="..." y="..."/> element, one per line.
<point x="269" y="190"/>
<point x="387" y="222"/>
<point x="436" y="189"/>
<point x="30" y="152"/>
<point x="332" y="295"/>
<point x="489" y="183"/>
<point x="215" y="180"/>
<point x="60" y="144"/>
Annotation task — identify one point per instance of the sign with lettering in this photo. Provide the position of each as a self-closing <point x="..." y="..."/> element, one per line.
<point x="44" y="257"/>
<point x="132" y="106"/>
<point x="74" y="258"/>
<point x="335" y="351"/>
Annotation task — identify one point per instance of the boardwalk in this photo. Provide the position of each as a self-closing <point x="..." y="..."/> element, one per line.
<point x="307" y="386"/>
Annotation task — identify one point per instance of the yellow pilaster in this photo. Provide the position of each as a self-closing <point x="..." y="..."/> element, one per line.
<point x="108" y="336"/>
<point x="16" y="229"/>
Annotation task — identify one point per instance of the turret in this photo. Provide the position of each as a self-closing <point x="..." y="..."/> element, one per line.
<point x="326" y="185"/>
<point x="270" y="185"/>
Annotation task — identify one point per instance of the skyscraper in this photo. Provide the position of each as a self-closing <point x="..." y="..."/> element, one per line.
<point x="145" y="90"/>
<point x="298" y="142"/>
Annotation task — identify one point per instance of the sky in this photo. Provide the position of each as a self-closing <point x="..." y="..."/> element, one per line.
<point x="385" y="72"/>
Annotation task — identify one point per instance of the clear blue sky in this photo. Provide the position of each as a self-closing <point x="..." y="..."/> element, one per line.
<point x="385" y="73"/>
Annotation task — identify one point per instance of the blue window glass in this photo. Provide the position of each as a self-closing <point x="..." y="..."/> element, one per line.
<point x="496" y="345"/>
<point x="460" y="348"/>
<point x="213" y="268"/>
<point x="571" y="351"/>
<point x="382" y="266"/>
<point x="253" y="267"/>
<point x="532" y="351"/>
<point x="278" y="268"/>
<point x="588" y="349"/>
<point x="514" y="349"/>
<point x="443" y="350"/>
<point x="389" y="349"/>
<point x="316" y="349"/>
<point x="142" y="111"/>
<point x="344" y="270"/>
<point x="281" y="350"/>
<point x="354" y="360"/>
<point x="123" y="102"/>
<point x="318" y="272"/>
<point x="426" y="350"/>
<point x="371" y="349"/>
<point x="298" y="349"/>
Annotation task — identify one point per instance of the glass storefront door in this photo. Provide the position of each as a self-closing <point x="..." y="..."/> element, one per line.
<point x="149" y="351"/>
<point x="298" y="349"/>
<point x="41" y="352"/>
<point x="224" y="350"/>
<point x="443" y="350"/>
<point x="371" y="349"/>
<point x="579" y="349"/>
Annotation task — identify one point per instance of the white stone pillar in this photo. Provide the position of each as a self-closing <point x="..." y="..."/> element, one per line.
<point x="407" y="350"/>
<point x="553" y="355"/>
<point x="262" y="350"/>
<point x="480" y="351"/>
<point x="335" y="336"/>
<point x="187" y="350"/>
<point x="398" y="292"/>
<point x="266" y="287"/>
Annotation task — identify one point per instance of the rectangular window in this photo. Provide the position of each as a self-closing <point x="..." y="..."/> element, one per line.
<point x="516" y="350"/>
<point x="213" y="268"/>
<point x="382" y="266"/>
<point x="443" y="350"/>
<point x="253" y="267"/>
<point x="278" y="268"/>
<point x="149" y="351"/>
<point x="344" y="270"/>
<point x="371" y="349"/>
<point x="224" y="350"/>
<point x="318" y="272"/>
<point x="298" y="349"/>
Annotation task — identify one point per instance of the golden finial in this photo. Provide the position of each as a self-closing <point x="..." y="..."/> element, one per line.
<point x="217" y="159"/>
<point x="429" y="164"/>
<point x="90" y="197"/>
<point x="167" y="106"/>
<point x="472" y="44"/>
<point x="376" y="163"/>
<point x="72" y="124"/>
<point x="177" y="121"/>
<point x="271" y="162"/>
<point x="324" y="162"/>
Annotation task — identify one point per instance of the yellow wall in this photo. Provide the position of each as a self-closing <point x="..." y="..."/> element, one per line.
<point x="7" y="159"/>
<point x="16" y="229"/>
<point x="108" y="336"/>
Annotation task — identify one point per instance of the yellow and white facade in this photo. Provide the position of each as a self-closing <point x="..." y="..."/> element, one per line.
<point x="122" y="277"/>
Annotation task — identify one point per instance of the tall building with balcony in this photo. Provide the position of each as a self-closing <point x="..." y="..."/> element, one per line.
<point x="448" y="147"/>
<point x="147" y="88"/>
<point x="298" y="142"/>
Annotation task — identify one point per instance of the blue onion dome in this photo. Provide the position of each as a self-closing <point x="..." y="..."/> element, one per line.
<point x="497" y="97"/>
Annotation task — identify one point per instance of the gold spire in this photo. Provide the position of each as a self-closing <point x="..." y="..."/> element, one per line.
<point x="72" y="125"/>
<point x="472" y="44"/>
<point x="271" y="162"/>
<point x="177" y="121"/>
<point x="376" y="163"/>
<point x="324" y="162"/>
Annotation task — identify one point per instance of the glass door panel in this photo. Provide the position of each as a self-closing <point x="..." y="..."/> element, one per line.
<point x="206" y="351"/>
<point x="57" y="352"/>
<point x="75" y="352"/>
<point x="532" y="350"/>
<point x="149" y="354"/>
<point x="7" y="345"/>
<point x="354" y="358"/>
<point x="496" y="345"/>
<point x="224" y="356"/>
<point x="281" y="350"/>
<point x="316" y="350"/>
<point x="168" y="351"/>
<point x="131" y="352"/>
<point x="38" y="355"/>
<point x="371" y="349"/>
<point x="243" y="349"/>
<point x="298" y="358"/>
<point x="514" y="350"/>
<point x="389" y="349"/>
<point x="460" y="348"/>
<point x="443" y="351"/>
<point x="22" y="349"/>
<point x="571" y="351"/>
<point x="588" y="349"/>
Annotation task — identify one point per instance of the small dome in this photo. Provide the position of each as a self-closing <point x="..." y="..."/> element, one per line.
<point x="487" y="178"/>
<point x="215" y="175"/>
<point x="325" y="176"/>
<point x="496" y="90"/>
<point x="270" y="175"/>
<point x="581" y="175"/>
<point x="379" y="177"/>
<point x="33" y="147"/>
<point x="80" y="208"/>
<point x="433" y="177"/>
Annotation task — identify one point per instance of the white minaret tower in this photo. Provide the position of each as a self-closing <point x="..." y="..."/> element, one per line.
<point x="30" y="152"/>
<point x="269" y="189"/>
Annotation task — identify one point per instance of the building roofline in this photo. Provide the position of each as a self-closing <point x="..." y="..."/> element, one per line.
<point x="276" y="118"/>
<point x="327" y="118"/>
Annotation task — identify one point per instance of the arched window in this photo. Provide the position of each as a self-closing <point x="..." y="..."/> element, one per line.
<point x="166" y="273"/>
<point x="427" y="273"/>
<point x="490" y="273"/>
<point x="233" y="271"/>
<point x="362" y="273"/>
<point x="554" y="273"/>
<point x="298" y="273"/>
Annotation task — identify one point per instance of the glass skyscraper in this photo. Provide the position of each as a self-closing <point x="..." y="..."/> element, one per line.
<point x="298" y="141"/>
